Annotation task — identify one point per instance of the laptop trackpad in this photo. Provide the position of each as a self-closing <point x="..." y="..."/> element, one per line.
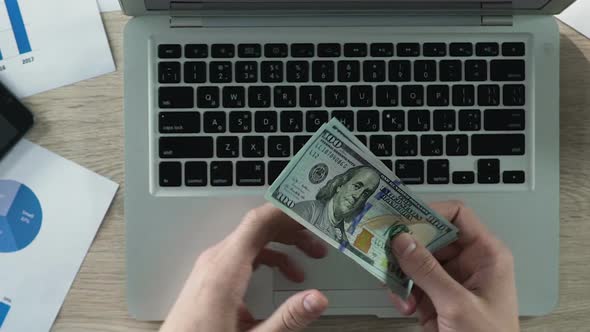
<point x="333" y="273"/>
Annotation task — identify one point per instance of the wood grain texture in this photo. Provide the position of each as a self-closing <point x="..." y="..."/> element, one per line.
<point x="84" y="123"/>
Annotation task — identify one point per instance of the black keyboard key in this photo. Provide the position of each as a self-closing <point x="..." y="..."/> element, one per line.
<point x="323" y="71"/>
<point x="259" y="96"/>
<point x="240" y="122"/>
<point x="381" y="50"/>
<point x="367" y="121"/>
<point x="302" y="50"/>
<point x="246" y="71"/>
<point x="507" y="70"/>
<point x="488" y="171"/>
<point x="406" y="145"/>
<point x="488" y="95"/>
<point x="299" y="142"/>
<point x="195" y="72"/>
<point x="419" y="120"/>
<point x="361" y="96"/>
<point x="170" y="174"/>
<point x="271" y="71"/>
<point x="362" y="139"/>
<point x="297" y="71"/>
<point x="276" y="50"/>
<point x="393" y="120"/>
<point x="176" y="97"/>
<point x="513" y="177"/>
<point x="431" y="145"/>
<point x="355" y="50"/>
<point x="437" y="95"/>
<point x="220" y="72"/>
<point x="250" y="173"/>
<point x="450" y="70"/>
<point x="386" y="95"/>
<point x="208" y="97"/>
<point x="487" y="49"/>
<point x="469" y="120"/>
<point x="476" y="70"/>
<point x="179" y="122"/>
<point x="291" y="121"/>
<point x="214" y="122"/>
<point x="400" y="71"/>
<point x="195" y="174"/>
<point x="457" y="145"/>
<point x="336" y="96"/>
<point x="381" y="145"/>
<point x="223" y="50"/>
<point x="514" y="95"/>
<point x="438" y="171"/>
<point x="434" y="49"/>
<point x="374" y="71"/>
<point x="508" y="119"/>
<point x="249" y="51"/>
<point x="424" y="70"/>
<point x="253" y="146"/>
<point x="410" y="171"/>
<point x="228" y="147"/>
<point x="285" y="96"/>
<point x="265" y="121"/>
<point x="310" y="96"/>
<point x="169" y="51"/>
<point x="513" y="49"/>
<point x="461" y="49"/>
<point x="186" y="147"/>
<point x="408" y="49"/>
<point x="169" y="72"/>
<point x="463" y="95"/>
<point x="388" y="164"/>
<point x="412" y="95"/>
<point x="345" y="117"/>
<point x="329" y="50"/>
<point x="234" y="97"/>
<point x="349" y="71"/>
<point x="497" y="145"/>
<point x="315" y="119"/>
<point x="222" y="174"/>
<point x="200" y="51"/>
<point x="463" y="177"/>
<point x="279" y="146"/>
<point x="275" y="168"/>
<point x="444" y="120"/>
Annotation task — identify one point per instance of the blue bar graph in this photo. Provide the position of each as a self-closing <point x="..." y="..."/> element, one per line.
<point x="18" y="26"/>
<point x="1" y="55"/>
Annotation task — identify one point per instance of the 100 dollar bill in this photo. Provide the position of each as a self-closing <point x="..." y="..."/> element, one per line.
<point x="337" y="189"/>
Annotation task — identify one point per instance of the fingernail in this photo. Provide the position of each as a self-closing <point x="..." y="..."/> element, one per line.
<point x="312" y="303"/>
<point x="403" y="244"/>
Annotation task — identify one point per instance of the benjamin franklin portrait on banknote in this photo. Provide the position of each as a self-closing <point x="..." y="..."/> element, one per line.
<point x="339" y="201"/>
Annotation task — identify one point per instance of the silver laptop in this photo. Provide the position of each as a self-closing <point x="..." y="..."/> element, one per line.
<point x="459" y="98"/>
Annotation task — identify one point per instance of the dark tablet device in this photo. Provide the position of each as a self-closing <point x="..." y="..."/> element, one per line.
<point x="15" y="120"/>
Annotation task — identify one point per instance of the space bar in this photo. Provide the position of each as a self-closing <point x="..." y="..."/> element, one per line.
<point x="497" y="145"/>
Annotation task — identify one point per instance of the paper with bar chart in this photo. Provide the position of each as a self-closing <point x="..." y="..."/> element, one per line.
<point x="48" y="44"/>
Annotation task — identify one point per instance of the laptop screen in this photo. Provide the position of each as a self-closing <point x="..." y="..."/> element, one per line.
<point x="338" y="4"/>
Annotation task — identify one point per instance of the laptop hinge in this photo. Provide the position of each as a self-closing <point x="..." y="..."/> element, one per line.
<point x="497" y="20"/>
<point x="186" y="22"/>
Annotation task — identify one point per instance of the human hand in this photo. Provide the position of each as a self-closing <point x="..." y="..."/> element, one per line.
<point x="213" y="296"/>
<point x="469" y="286"/>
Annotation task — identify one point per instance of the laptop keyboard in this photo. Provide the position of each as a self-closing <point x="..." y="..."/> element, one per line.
<point x="440" y="114"/>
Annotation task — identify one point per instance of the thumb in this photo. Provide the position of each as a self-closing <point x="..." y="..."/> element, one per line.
<point x="296" y="313"/>
<point x="419" y="264"/>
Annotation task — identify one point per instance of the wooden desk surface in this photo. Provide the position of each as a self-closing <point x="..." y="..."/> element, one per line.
<point x="84" y="123"/>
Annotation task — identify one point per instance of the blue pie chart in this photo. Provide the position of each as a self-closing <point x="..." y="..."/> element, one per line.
<point x="20" y="216"/>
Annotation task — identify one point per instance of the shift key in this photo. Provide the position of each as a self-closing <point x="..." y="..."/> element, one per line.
<point x="497" y="145"/>
<point x="186" y="147"/>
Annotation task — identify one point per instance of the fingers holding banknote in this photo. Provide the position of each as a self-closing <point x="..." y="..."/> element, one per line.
<point x="213" y="296"/>
<point x="468" y="286"/>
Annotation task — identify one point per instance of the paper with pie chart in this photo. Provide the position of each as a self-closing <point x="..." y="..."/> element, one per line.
<point x="50" y="211"/>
